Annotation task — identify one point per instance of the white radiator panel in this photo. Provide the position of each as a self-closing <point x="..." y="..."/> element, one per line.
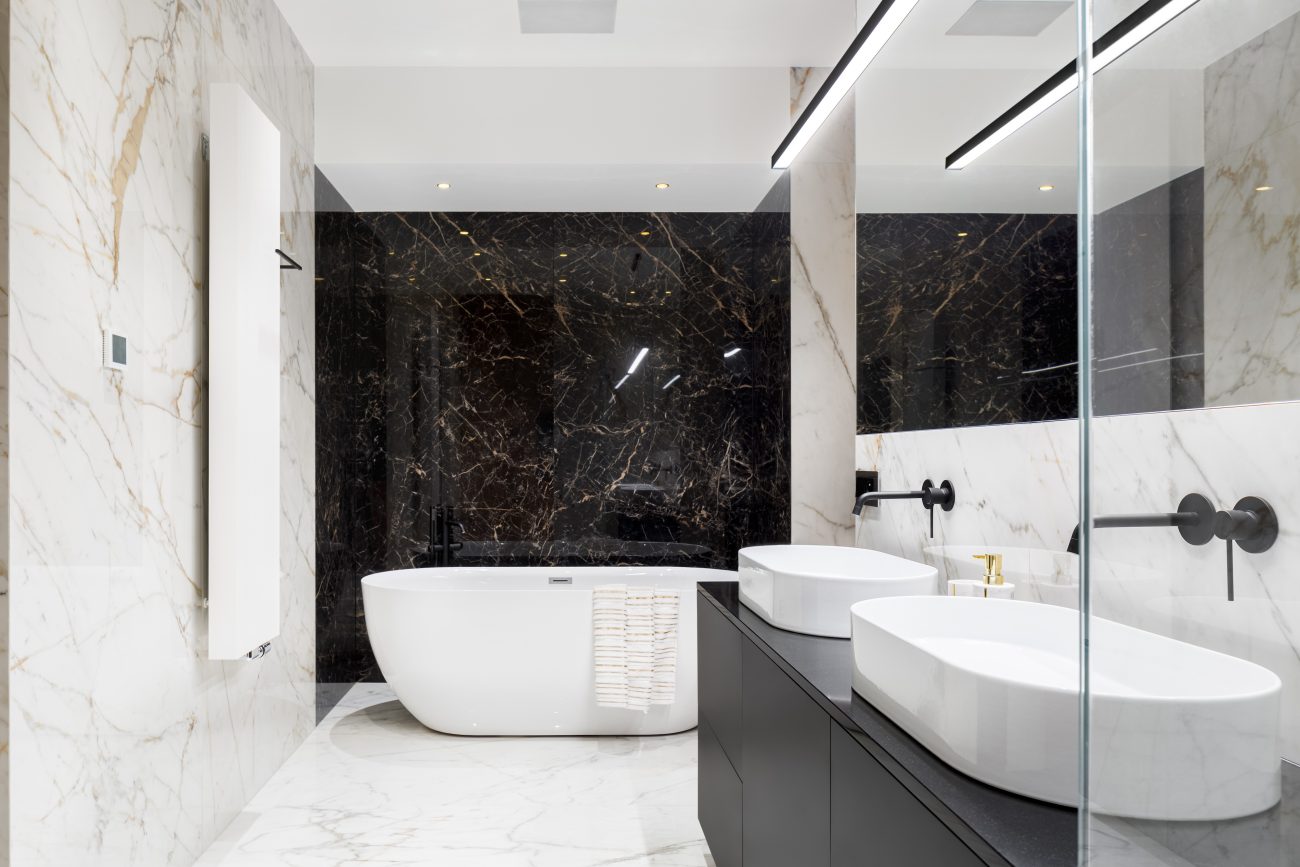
<point x="243" y="376"/>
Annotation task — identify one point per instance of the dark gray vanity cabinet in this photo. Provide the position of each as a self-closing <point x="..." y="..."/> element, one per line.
<point x="719" y="654"/>
<point x="783" y="783"/>
<point x="876" y="821"/>
<point x="786" y="743"/>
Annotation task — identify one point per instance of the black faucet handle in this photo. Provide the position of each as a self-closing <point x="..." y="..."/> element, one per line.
<point x="942" y="496"/>
<point x="1252" y="524"/>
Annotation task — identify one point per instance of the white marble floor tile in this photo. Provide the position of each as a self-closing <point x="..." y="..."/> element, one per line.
<point x="372" y="786"/>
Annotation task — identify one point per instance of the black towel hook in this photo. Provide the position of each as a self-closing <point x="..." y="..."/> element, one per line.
<point x="292" y="266"/>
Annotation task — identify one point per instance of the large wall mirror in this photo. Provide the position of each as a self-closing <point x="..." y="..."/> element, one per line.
<point x="968" y="280"/>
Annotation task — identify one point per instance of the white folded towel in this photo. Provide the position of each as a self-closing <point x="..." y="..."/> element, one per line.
<point x="634" y="642"/>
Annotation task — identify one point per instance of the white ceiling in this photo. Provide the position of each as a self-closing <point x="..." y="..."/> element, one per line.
<point x="692" y="33"/>
<point x="695" y="93"/>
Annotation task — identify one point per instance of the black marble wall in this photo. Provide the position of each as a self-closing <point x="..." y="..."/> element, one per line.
<point x="965" y="319"/>
<point x="1149" y="301"/>
<point x="481" y="361"/>
<point x="971" y="319"/>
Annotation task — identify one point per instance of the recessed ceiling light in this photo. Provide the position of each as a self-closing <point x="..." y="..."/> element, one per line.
<point x="1263" y="188"/>
<point x="662" y="186"/>
<point x="444" y="186"/>
<point x="564" y="279"/>
<point x="1046" y="188"/>
<point x="564" y="255"/>
<point x="477" y="253"/>
<point x="962" y="234"/>
<point x="645" y="234"/>
<point x="464" y="231"/>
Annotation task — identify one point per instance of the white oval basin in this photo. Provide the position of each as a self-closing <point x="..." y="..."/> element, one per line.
<point x="991" y="686"/>
<point x="809" y="588"/>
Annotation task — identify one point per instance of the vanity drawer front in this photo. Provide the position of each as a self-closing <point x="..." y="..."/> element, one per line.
<point x="718" y="649"/>
<point x="720" y="800"/>
<point x="786" y="800"/>
<point x="877" y="822"/>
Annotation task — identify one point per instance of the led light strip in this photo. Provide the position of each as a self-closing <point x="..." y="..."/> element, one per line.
<point x="870" y="39"/>
<point x="1147" y="19"/>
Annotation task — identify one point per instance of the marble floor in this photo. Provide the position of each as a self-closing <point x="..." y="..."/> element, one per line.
<point x="372" y="786"/>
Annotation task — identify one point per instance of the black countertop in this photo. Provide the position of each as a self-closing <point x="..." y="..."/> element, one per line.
<point x="998" y="825"/>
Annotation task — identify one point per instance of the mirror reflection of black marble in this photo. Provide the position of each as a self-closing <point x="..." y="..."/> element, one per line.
<point x="481" y="360"/>
<point x="965" y="319"/>
<point x="971" y="319"/>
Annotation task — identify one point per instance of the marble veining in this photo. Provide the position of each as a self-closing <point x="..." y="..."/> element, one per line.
<point x="965" y="319"/>
<point x="371" y="785"/>
<point x="128" y="746"/>
<point x="1252" y="133"/>
<point x="822" y="300"/>
<point x="481" y="361"/>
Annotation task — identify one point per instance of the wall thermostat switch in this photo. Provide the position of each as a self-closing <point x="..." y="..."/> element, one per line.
<point x="114" y="351"/>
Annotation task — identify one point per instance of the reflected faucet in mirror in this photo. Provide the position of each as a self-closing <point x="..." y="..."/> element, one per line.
<point x="930" y="496"/>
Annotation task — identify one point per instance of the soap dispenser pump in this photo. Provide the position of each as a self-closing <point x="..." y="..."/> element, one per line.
<point x="992" y="585"/>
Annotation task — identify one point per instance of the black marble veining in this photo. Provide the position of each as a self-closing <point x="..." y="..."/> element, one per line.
<point x="482" y="361"/>
<point x="965" y="319"/>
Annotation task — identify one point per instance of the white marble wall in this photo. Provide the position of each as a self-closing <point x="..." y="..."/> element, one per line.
<point x="823" y="325"/>
<point x="1252" y="250"/>
<point x="1016" y="488"/>
<point x="128" y="746"/>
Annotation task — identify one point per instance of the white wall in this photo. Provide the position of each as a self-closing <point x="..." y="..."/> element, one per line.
<point x="128" y="747"/>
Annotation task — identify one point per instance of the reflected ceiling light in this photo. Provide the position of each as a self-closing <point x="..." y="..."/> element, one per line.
<point x="477" y="253"/>
<point x="564" y="255"/>
<point x="564" y="279"/>
<point x="636" y="362"/>
<point x="1046" y="188"/>
<point x="645" y="234"/>
<point x="735" y="350"/>
<point x="464" y="231"/>
<point x="444" y="186"/>
<point x="864" y="48"/>
<point x="1263" y="188"/>
<point x="662" y="186"/>
<point x="621" y="381"/>
<point x="1147" y="19"/>
<point x="669" y="383"/>
<point x="962" y="234"/>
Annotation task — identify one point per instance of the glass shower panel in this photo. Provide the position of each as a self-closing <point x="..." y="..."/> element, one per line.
<point x="1193" y="664"/>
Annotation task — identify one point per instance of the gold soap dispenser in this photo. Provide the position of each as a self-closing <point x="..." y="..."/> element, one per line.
<point x="992" y="585"/>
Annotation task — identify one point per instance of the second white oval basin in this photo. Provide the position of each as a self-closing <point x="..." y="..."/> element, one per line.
<point x="991" y="686"/>
<point x="809" y="588"/>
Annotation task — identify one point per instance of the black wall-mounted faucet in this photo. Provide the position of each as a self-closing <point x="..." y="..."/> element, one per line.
<point x="930" y="496"/>
<point x="1251" y="525"/>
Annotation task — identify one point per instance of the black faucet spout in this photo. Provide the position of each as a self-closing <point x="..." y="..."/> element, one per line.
<point x="877" y="496"/>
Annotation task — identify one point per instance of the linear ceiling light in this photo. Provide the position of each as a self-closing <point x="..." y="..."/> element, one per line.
<point x="1147" y="19"/>
<point x="870" y="39"/>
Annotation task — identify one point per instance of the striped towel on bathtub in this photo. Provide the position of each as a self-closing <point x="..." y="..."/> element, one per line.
<point x="634" y="632"/>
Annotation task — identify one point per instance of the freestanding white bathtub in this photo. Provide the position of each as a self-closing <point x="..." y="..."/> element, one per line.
<point x="508" y="651"/>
